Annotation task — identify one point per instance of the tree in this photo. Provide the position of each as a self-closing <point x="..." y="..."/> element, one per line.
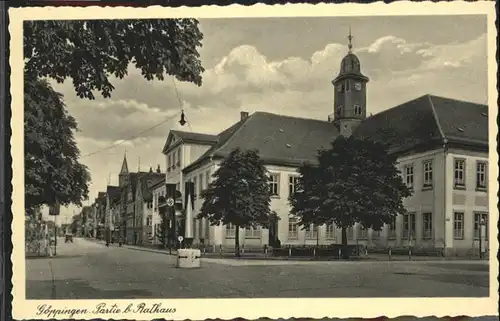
<point x="239" y="194"/>
<point x="355" y="181"/>
<point x="89" y="51"/>
<point x="52" y="171"/>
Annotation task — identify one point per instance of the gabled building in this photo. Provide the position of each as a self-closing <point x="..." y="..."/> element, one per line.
<point x="442" y="149"/>
<point x="143" y="223"/>
<point x="158" y="191"/>
<point x="112" y="221"/>
<point x="135" y="194"/>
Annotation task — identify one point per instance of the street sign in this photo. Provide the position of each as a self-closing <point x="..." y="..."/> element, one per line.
<point x="54" y="209"/>
<point x="180" y="238"/>
<point x="170" y="202"/>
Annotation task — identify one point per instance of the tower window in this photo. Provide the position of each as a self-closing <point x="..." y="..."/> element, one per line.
<point x="347" y="85"/>
<point x="338" y="110"/>
<point x="357" y="109"/>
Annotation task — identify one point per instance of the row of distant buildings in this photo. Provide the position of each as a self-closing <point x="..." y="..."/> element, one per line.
<point x="441" y="145"/>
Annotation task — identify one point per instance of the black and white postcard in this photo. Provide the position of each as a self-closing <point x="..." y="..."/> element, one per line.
<point x="262" y="161"/>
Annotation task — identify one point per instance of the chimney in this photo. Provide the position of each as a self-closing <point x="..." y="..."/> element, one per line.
<point x="158" y="169"/>
<point x="244" y="115"/>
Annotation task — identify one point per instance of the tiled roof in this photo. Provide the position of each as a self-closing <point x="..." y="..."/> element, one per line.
<point x="286" y="140"/>
<point x="462" y="121"/>
<point x="113" y="193"/>
<point x="427" y="119"/>
<point x="152" y="178"/>
<point x="279" y="139"/>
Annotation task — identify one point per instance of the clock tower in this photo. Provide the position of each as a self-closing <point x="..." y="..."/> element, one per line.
<point x="350" y="94"/>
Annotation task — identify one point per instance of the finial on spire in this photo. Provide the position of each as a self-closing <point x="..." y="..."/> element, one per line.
<point x="350" y="39"/>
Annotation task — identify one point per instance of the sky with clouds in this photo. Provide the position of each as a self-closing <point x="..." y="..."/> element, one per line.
<point x="279" y="65"/>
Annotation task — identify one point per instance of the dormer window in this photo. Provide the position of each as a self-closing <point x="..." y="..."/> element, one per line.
<point x="357" y="109"/>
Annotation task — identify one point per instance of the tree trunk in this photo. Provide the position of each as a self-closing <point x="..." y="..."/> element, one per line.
<point x="345" y="254"/>
<point x="237" y="242"/>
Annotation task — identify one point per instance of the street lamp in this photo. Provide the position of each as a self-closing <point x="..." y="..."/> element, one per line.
<point x="482" y="223"/>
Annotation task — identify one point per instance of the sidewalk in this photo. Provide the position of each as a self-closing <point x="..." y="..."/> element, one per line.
<point x="261" y="258"/>
<point x="135" y="247"/>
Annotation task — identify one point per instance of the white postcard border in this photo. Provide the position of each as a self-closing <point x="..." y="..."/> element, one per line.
<point x="197" y="309"/>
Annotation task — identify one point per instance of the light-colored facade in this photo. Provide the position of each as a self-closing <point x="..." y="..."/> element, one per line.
<point x="442" y="150"/>
<point x="158" y="190"/>
<point x="441" y="212"/>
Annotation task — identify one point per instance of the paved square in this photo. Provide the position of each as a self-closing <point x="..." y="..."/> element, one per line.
<point x="87" y="270"/>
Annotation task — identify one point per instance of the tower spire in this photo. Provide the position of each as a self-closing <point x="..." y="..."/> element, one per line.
<point x="124" y="169"/>
<point x="350" y="40"/>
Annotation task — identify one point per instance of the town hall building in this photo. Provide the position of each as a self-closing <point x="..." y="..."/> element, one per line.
<point x="442" y="150"/>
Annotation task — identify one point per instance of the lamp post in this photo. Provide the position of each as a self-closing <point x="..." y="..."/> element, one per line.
<point x="481" y="224"/>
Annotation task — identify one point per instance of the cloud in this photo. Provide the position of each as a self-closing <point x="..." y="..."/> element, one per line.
<point x="244" y="79"/>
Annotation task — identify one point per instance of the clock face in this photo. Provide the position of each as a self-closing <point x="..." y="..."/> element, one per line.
<point x="357" y="86"/>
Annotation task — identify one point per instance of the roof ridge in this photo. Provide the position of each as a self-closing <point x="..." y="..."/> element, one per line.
<point x="186" y="132"/>
<point x="397" y="106"/>
<point x="231" y="136"/>
<point x="436" y="118"/>
<point x="458" y="100"/>
<point x="290" y="116"/>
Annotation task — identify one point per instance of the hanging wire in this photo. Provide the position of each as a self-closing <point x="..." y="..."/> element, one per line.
<point x="182" y="114"/>
<point x="133" y="137"/>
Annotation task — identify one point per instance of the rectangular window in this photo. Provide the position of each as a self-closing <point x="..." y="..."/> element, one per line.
<point x="292" y="183"/>
<point x="392" y="228"/>
<point x="350" y="233"/>
<point x="459" y="177"/>
<point x="330" y="231"/>
<point x="481" y="179"/>
<point x="311" y="232"/>
<point x="363" y="232"/>
<point x="357" y="109"/>
<point x="409" y="175"/>
<point x="149" y="221"/>
<point x="169" y="162"/>
<point x="207" y="179"/>
<point x="427" y="225"/>
<point x="427" y="174"/>
<point x="458" y="225"/>
<point x="252" y="232"/>
<point x="293" y="230"/>
<point x="480" y="219"/>
<point x="200" y="180"/>
<point x="195" y="185"/>
<point x="409" y="226"/>
<point x="274" y="184"/>
<point x="230" y="230"/>
<point x="179" y="157"/>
